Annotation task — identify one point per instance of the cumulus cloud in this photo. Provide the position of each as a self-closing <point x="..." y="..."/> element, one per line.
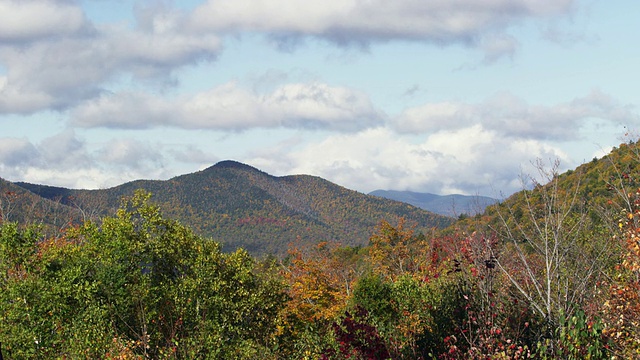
<point x="44" y="71"/>
<point x="64" y="159"/>
<point x="28" y="20"/>
<point x="230" y="107"/>
<point x="56" y="58"/>
<point x="129" y="155"/>
<point x="125" y="110"/>
<point x="513" y="117"/>
<point x="496" y="46"/>
<point x="62" y="73"/>
<point x="449" y="161"/>
<point x="65" y="151"/>
<point x="20" y="157"/>
<point x="17" y="153"/>
<point x="90" y="178"/>
<point x="354" y="21"/>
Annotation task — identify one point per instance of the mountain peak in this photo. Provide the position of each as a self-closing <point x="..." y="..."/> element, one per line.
<point x="231" y="164"/>
<point x="235" y="165"/>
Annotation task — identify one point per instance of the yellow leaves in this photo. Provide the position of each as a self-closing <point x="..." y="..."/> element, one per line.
<point x="621" y="311"/>
<point x="391" y="250"/>
<point x="318" y="282"/>
<point x="122" y="349"/>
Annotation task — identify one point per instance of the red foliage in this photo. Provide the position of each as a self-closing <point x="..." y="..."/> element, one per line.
<point x="357" y="339"/>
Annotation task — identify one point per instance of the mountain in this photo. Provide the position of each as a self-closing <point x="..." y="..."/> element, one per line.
<point x="21" y="205"/>
<point x="241" y="206"/>
<point x="448" y="205"/>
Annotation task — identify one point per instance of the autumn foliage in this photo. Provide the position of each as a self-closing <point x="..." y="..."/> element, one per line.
<point x="319" y="282"/>
<point x="622" y="307"/>
<point x="547" y="274"/>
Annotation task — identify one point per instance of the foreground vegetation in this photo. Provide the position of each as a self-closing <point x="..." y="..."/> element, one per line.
<point x="551" y="273"/>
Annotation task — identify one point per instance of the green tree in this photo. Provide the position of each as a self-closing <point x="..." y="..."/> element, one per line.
<point x="137" y="285"/>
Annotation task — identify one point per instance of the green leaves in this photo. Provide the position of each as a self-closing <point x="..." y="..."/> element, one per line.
<point x="136" y="284"/>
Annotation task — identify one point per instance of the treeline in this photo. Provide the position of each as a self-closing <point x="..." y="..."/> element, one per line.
<point x="549" y="274"/>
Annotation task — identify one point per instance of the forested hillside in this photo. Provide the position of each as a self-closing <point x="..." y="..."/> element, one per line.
<point x="550" y="273"/>
<point x="241" y="206"/>
<point x="20" y="205"/>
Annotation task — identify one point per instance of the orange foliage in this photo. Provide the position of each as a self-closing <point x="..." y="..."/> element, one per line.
<point x="390" y="251"/>
<point x="319" y="280"/>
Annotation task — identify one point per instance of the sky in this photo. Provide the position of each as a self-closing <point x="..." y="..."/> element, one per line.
<point x="439" y="96"/>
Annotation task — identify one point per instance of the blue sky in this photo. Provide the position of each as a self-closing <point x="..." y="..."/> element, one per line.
<point x="440" y="96"/>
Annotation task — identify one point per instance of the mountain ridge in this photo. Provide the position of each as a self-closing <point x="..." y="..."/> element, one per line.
<point x="449" y="205"/>
<point x="242" y="206"/>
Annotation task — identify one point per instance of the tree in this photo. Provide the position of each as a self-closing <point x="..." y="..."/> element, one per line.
<point x="137" y="284"/>
<point x="396" y="250"/>
<point x="321" y="278"/>
<point x="7" y="204"/>
<point x="553" y="253"/>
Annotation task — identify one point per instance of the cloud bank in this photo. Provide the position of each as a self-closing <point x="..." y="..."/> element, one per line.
<point x="57" y="58"/>
<point x="230" y="107"/>
<point x="511" y="116"/>
<point x="346" y="21"/>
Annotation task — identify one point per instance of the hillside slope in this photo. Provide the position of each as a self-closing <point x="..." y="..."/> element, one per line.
<point x="599" y="189"/>
<point x="20" y="205"/>
<point x="241" y="206"/>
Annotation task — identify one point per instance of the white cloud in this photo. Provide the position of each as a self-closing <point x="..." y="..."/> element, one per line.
<point x="89" y="178"/>
<point x="322" y="106"/>
<point x="95" y="177"/>
<point x="511" y="116"/>
<point x="470" y="160"/>
<point x="16" y="152"/>
<point x="55" y="58"/>
<point x="151" y="53"/>
<point x="345" y="21"/>
<point x="495" y="46"/>
<point x="193" y="155"/>
<point x="130" y="153"/>
<point x="61" y="71"/>
<point x="128" y="110"/>
<point x="29" y="20"/>
<point x="230" y="107"/>
<point x="64" y="151"/>
<point x="434" y="116"/>
<point x="66" y="160"/>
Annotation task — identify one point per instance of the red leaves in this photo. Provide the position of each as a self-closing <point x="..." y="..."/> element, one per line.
<point x="358" y="339"/>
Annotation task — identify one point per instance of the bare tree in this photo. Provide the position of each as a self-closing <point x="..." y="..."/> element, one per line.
<point x="550" y="254"/>
<point x="7" y="205"/>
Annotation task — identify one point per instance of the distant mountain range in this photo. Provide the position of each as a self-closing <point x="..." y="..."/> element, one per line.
<point x="448" y="205"/>
<point x="241" y="206"/>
